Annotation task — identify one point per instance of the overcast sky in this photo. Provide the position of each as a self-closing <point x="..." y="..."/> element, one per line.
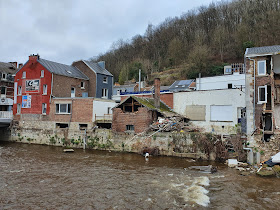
<point x="69" y="30"/>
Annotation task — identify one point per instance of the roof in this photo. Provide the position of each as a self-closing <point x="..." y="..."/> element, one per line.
<point x="62" y="69"/>
<point x="97" y="68"/>
<point x="149" y="104"/>
<point x="181" y="85"/>
<point x="266" y="50"/>
<point x="124" y="86"/>
<point x="7" y="68"/>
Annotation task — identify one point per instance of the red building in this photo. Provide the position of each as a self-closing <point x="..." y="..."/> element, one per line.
<point x="40" y="80"/>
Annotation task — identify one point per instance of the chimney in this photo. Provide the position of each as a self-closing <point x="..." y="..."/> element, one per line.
<point x="34" y="57"/>
<point x="102" y="64"/>
<point x="20" y="65"/>
<point x="157" y="92"/>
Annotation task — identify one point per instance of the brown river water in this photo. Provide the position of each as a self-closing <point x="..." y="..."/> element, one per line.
<point x="43" y="177"/>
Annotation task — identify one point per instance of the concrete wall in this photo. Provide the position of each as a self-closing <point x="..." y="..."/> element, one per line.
<point x="220" y="82"/>
<point x="233" y="97"/>
<point x="100" y="107"/>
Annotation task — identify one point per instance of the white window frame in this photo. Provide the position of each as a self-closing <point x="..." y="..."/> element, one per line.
<point x="259" y="62"/>
<point x="44" y="108"/>
<point x="59" y="110"/>
<point x="45" y="89"/>
<point x="23" y="74"/>
<point x="104" y="93"/>
<point x="82" y="85"/>
<point x="4" y="76"/>
<point x="105" y="79"/>
<point x="42" y="73"/>
<point x="19" y="90"/>
<point x="265" y="96"/>
<point x="18" y="108"/>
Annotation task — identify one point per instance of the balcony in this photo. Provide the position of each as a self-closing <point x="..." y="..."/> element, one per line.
<point x="106" y="118"/>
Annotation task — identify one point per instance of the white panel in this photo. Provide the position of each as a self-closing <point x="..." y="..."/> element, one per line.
<point x="221" y="113"/>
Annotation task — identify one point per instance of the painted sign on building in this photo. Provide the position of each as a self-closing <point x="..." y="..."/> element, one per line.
<point x="32" y="85"/>
<point x="26" y="102"/>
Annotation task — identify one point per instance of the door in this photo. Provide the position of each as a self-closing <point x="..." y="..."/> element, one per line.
<point x="72" y="92"/>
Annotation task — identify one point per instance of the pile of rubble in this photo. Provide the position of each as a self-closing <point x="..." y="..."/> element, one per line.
<point x="174" y="123"/>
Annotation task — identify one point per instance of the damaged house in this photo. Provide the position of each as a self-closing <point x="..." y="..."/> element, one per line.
<point x="262" y="92"/>
<point x="136" y="114"/>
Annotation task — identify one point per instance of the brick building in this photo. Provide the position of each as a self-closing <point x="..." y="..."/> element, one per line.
<point x="100" y="83"/>
<point x="262" y="92"/>
<point x="40" y="80"/>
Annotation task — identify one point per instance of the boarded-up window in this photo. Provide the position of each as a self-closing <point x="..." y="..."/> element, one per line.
<point x="195" y="112"/>
<point x="221" y="113"/>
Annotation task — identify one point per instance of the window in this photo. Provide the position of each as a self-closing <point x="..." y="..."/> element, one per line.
<point x="4" y="76"/>
<point x="45" y="89"/>
<point x="62" y="125"/>
<point x="105" y="79"/>
<point x="229" y="86"/>
<point x="104" y="93"/>
<point x="44" y="108"/>
<point x="42" y="73"/>
<point x="130" y="127"/>
<point x="83" y="126"/>
<point x="3" y="90"/>
<point x="82" y="85"/>
<point x="228" y="70"/>
<point x="63" y="108"/>
<point x="24" y="74"/>
<point x="19" y="90"/>
<point x="261" y="67"/>
<point x="262" y="94"/>
<point x="72" y="92"/>
<point x="108" y="110"/>
<point x="18" y="108"/>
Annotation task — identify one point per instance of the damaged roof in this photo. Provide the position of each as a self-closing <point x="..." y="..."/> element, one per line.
<point x="62" y="69"/>
<point x="266" y="50"/>
<point x="149" y="104"/>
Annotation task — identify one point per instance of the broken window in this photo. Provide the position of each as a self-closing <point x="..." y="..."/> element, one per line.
<point x="130" y="127"/>
<point x="262" y="67"/>
<point x="83" y="126"/>
<point x="62" y="125"/>
<point x="267" y="120"/>
<point x="262" y="94"/>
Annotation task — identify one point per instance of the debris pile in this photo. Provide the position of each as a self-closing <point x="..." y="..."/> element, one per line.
<point x="174" y="123"/>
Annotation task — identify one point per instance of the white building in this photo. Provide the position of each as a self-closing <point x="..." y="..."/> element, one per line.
<point x="232" y="81"/>
<point x="215" y="111"/>
<point x="102" y="110"/>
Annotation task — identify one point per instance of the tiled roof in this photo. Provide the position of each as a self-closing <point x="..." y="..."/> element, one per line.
<point x="62" y="69"/>
<point x="263" y="50"/>
<point x="7" y="68"/>
<point x="97" y="68"/>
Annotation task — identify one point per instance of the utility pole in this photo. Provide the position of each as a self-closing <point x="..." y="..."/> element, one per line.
<point x="139" y="80"/>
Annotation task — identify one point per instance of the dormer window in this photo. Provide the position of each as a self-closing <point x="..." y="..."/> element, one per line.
<point x="24" y="75"/>
<point x="105" y="79"/>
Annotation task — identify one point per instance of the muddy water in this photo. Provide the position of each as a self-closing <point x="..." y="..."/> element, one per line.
<point x="43" y="177"/>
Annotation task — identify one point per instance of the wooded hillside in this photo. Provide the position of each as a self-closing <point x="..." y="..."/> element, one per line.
<point x="202" y="40"/>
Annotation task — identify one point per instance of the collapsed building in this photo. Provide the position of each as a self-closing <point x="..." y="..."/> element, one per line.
<point x="262" y="92"/>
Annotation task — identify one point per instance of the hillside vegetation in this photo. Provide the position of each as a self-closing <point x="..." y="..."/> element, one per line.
<point x="201" y="40"/>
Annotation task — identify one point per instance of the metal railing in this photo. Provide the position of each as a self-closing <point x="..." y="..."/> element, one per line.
<point x="105" y="117"/>
<point x="6" y="114"/>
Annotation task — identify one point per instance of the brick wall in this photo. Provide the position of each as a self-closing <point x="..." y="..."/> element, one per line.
<point x="90" y="74"/>
<point x="10" y="88"/>
<point x="62" y="86"/>
<point x="140" y="119"/>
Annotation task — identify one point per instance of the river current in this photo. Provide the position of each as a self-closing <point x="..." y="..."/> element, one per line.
<point x="43" y="177"/>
